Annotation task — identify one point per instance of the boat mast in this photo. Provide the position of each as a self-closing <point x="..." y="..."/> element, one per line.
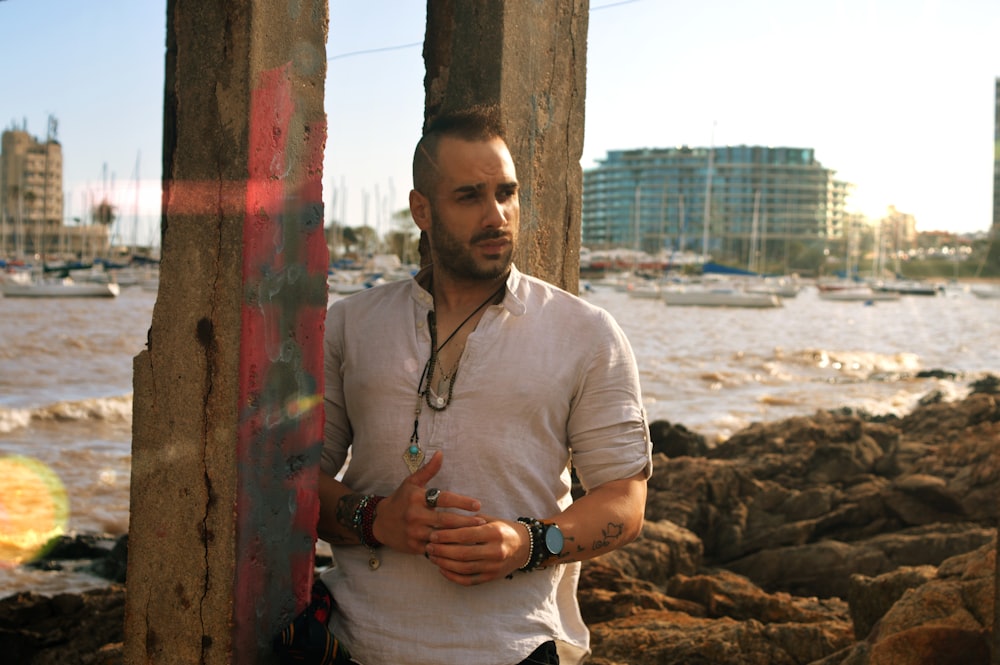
<point x="708" y="197"/>
<point x="637" y="240"/>
<point x="752" y="258"/>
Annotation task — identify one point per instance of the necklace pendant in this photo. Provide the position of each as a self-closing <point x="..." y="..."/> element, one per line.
<point x="373" y="562"/>
<point x="413" y="457"/>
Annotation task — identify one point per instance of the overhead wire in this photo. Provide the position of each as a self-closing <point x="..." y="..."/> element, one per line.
<point x="398" y="47"/>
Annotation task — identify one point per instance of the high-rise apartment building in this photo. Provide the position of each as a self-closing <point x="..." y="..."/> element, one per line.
<point x="660" y="198"/>
<point x="31" y="194"/>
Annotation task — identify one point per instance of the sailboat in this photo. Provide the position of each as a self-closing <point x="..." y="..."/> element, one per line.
<point x="781" y="286"/>
<point x="38" y="282"/>
<point x="986" y="292"/>
<point x="23" y="284"/>
<point x="706" y="294"/>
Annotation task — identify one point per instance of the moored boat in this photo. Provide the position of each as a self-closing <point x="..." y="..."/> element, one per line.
<point x="908" y="288"/>
<point x="783" y="287"/>
<point x="857" y="294"/>
<point x="56" y="288"/>
<point x="716" y="296"/>
<point x="986" y="292"/>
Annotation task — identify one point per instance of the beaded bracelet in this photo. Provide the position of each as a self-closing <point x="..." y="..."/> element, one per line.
<point x="531" y="547"/>
<point x="364" y="520"/>
<point x="536" y="552"/>
<point x="527" y="567"/>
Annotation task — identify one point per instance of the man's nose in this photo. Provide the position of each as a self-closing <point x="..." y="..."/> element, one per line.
<point x="495" y="214"/>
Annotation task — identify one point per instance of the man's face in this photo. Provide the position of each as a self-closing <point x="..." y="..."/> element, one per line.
<point x="474" y="213"/>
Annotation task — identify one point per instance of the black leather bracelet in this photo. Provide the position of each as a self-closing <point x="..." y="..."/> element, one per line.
<point x="537" y="531"/>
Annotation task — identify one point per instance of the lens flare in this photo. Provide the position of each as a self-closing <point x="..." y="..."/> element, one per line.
<point x="34" y="509"/>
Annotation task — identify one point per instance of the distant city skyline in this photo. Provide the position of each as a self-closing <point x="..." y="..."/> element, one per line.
<point x="897" y="99"/>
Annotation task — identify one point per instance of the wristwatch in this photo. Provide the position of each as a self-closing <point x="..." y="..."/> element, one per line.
<point x="552" y="537"/>
<point x="546" y="542"/>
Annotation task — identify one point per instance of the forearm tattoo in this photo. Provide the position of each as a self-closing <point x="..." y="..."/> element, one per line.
<point x="609" y="535"/>
<point x="347" y="506"/>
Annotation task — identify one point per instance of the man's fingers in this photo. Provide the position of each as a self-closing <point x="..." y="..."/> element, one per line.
<point x="450" y="520"/>
<point x="459" y="502"/>
<point x="423" y="475"/>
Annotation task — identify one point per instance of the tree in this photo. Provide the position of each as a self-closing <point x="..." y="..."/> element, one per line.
<point x="365" y="239"/>
<point x="403" y="241"/>
<point x="104" y="213"/>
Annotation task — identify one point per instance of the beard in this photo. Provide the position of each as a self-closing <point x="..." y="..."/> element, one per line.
<point x="456" y="258"/>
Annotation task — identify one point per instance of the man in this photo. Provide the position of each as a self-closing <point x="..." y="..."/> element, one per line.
<point x="464" y="397"/>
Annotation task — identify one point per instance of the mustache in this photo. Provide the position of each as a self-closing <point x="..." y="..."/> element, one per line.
<point x="490" y="234"/>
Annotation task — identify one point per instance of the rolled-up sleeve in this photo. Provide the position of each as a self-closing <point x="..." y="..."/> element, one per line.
<point x="337" y="428"/>
<point x="608" y="432"/>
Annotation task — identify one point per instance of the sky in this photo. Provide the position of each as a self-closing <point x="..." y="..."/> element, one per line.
<point x="896" y="96"/>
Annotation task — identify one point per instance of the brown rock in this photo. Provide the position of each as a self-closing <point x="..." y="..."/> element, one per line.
<point x="933" y="644"/>
<point x="662" y="551"/>
<point x="66" y="628"/>
<point x="672" y="638"/>
<point x="871" y="597"/>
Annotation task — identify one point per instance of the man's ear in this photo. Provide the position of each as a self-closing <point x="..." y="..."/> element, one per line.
<point x="420" y="209"/>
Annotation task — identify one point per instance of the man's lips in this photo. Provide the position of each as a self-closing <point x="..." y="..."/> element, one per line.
<point x="492" y="243"/>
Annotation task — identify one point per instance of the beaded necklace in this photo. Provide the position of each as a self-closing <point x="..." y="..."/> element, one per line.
<point x="414" y="455"/>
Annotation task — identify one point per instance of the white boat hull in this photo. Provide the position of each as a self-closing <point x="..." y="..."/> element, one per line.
<point x="719" y="298"/>
<point x="986" y="293"/>
<point x="858" y="295"/>
<point x="58" y="289"/>
<point x="910" y="288"/>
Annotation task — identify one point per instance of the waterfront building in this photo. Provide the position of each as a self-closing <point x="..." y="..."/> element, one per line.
<point x="31" y="200"/>
<point x="657" y="200"/>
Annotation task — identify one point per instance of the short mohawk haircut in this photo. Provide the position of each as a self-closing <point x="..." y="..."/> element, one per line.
<point x="474" y="123"/>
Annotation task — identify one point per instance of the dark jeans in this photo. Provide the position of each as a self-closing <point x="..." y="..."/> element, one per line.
<point x="545" y="654"/>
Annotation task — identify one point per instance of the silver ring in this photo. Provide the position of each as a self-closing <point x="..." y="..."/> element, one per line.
<point x="431" y="497"/>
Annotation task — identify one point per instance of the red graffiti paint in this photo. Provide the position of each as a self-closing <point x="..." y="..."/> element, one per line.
<point x="281" y="365"/>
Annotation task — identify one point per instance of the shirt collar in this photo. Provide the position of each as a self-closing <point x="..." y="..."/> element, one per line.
<point x="513" y="300"/>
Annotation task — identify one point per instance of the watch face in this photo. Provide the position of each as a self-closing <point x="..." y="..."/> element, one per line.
<point x="553" y="539"/>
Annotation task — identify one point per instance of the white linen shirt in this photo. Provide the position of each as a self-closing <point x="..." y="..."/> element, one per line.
<point x="543" y="377"/>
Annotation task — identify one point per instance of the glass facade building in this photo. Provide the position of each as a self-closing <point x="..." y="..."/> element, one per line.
<point x="658" y="199"/>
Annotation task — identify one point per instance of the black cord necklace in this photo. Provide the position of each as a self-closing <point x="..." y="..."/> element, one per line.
<point x="431" y="317"/>
<point x="414" y="456"/>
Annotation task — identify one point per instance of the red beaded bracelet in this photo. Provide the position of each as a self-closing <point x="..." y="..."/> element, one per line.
<point x="368" y="538"/>
<point x="364" y="520"/>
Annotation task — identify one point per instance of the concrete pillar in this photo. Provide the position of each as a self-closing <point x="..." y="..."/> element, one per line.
<point x="227" y="424"/>
<point x="529" y="58"/>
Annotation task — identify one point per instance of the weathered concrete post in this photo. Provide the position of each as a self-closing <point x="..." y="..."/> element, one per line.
<point x="227" y="422"/>
<point x="529" y="58"/>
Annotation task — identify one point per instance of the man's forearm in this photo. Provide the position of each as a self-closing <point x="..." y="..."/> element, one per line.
<point x="608" y="517"/>
<point x="337" y="505"/>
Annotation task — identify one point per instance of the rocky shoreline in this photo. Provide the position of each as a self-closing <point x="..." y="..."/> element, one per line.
<point x="832" y="539"/>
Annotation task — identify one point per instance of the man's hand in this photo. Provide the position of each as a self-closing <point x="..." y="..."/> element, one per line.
<point x="477" y="554"/>
<point x="404" y="521"/>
